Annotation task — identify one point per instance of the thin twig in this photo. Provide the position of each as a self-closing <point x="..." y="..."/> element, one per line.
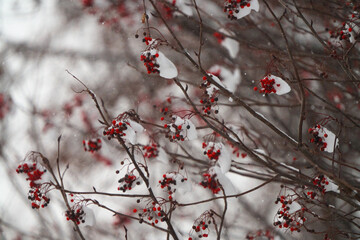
<point x="223" y="215"/>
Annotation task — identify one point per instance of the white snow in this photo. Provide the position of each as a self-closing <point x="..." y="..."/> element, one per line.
<point x="294" y="206"/>
<point x="260" y="153"/>
<point x="290" y="167"/>
<point x="224" y="160"/>
<point x="254" y="5"/>
<point x="225" y="182"/>
<point x="184" y="6"/>
<point x="230" y="79"/>
<point x="331" y="187"/>
<point x="131" y="132"/>
<point x="212" y="88"/>
<point x="355" y="29"/>
<point x="182" y="187"/>
<point x="166" y="67"/>
<point x="330" y="139"/>
<point x="230" y="44"/>
<point x="89" y="216"/>
<point x="162" y="156"/>
<point x="189" y="134"/>
<point x="280" y="85"/>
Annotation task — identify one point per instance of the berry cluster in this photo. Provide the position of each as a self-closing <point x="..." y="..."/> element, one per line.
<point x="287" y="219"/>
<point x="33" y="170"/>
<point x="150" y="55"/>
<point x="169" y="10"/>
<point x="92" y="145"/>
<point x="149" y="58"/>
<point x="212" y="151"/>
<point x="117" y="128"/>
<point x="35" y="174"/>
<point x="343" y="33"/>
<point x="151" y="212"/>
<point x="236" y="151"/>
<point x="201" y="225"/>
<point x="128" y="182"/>
<point x="220" y="37"/>
<point x="210" y="181"/>
<point x="233" y="6"/>
<point x="164" y="111"/>
<point x="209" y="98"/>
<point x="318" y="139"/>
<point x="175" y="135"/>
<point x="169" y="182"/>
<point x="177" y="129"/>
<point x="146" y="40"/>
<point x="38" y="197"/>
<point x="76" y="214"/>
<point x="151" y="151"/>
<point x="321" y="182"/>
<point x="260" y="234"/>
<point x="267" y="86"/>
<point x="87" y="3"/>
<point x="355" y="11"/>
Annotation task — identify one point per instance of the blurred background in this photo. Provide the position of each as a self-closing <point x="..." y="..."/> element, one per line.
<point x="95" y="41"/>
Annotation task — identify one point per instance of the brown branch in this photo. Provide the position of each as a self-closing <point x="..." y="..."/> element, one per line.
<point x="223" y="215"/>
<point x="300" y="84"/>
<point x="228" y="196"/>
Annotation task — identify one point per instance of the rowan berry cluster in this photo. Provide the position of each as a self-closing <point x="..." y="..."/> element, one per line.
<point x="219" y="36"/>
<point x="233" y="6"/>
<point x="178" y="128"/>
<point x="318" y="139"/>
<point x="146" y="40"/>
<point x="260" y="234"/>
<point x="76" y="214"/>
<point x="151" y="151"/>
<point x="150" y="55"/>
<point x="267" y="86"/>
<point x="355" y="11"/>
<point x="38" y="189"/>
<point x="201" y="226"/>
<point x="286" y="217"/>
<point x="210" y="95"/>
<point x="38" y="197"/>
<point x="128" y="182"/>
<point x="92" y="145"/>
<point x="321" y="182"/>
<point x="169" y="182"/>
<point x="236" y="151"/>
<point x="152" y="212"/>
<point x="210" y="181"/>
<point x="169" y="10"/>
<point x="149" y="58"/>
<point x="175" y="135"/>
<point x="118" y="127"/>
<point x="211" y="150"/>
<point x="343" y="33"/>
